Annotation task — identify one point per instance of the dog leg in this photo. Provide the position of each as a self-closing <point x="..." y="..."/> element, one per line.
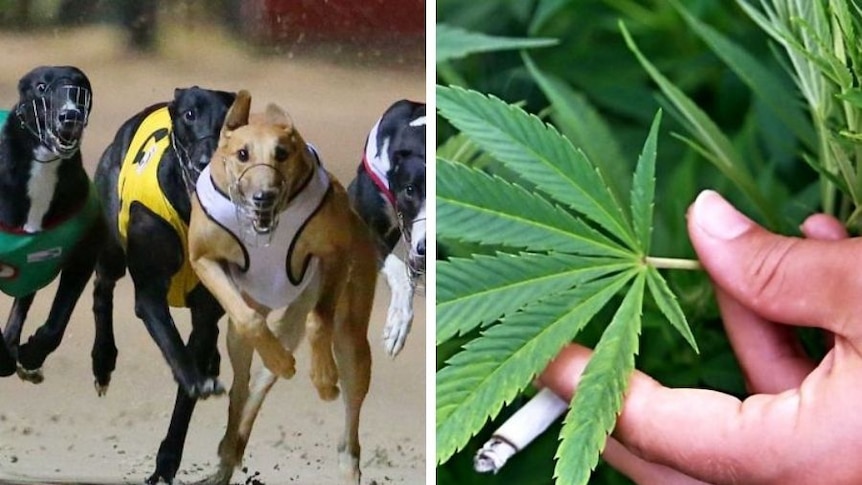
<point x="110" y="267"/>
<point x="104" y="353"/>
<point x="353" y="356"/>
<point x="15" y="322"/>
<point x="202" y="346"/>
<point x="250" y="323"/>
<point x="73" y="278"/>
<point x="240" y="352"/>
<point x="324" y="372"/>
<point x="247" y="393"/>
<point x="8" y="354"/>
<point x="399" y="319"/>
<point x="7" y="361"/>
<point x="151" y="307"/>
<point x="246" y="397"/>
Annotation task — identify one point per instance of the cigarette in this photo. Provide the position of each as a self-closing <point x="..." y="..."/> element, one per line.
<point x="519" y="431"/>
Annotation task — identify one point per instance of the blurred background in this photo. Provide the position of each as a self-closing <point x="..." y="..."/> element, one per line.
<point x="366" y="28"/>
<point x="335" y="67"/>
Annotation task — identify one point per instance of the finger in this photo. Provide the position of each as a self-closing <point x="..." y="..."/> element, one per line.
<point x="642" y="471"/>
<point x="782" y="279"/>
<point x="771" y="357"/>
<point x="823" y="227"/>
<point x="828" y="228"/>
<point x="704" y="434"/>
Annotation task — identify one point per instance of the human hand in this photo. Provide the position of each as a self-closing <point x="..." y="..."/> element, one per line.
<point x="801" y="424"/>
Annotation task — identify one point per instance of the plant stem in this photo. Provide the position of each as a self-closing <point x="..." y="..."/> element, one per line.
<point x="674" y="263"/>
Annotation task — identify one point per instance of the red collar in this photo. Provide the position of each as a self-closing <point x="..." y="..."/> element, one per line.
<point x="384" y="188"/>
<point x="49" y="224"/>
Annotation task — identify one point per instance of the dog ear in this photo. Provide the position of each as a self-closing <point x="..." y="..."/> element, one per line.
<point x="227" y="97"/>
<point x="277" y="116"/>
<point x="237" y="116"/>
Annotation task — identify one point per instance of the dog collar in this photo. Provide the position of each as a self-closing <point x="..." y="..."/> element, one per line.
<point x="85" y="208"/>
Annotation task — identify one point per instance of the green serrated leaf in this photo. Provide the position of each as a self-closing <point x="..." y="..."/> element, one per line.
<point x="853" y="97"/>
<point x="776" y="95"/>
<point x="538" y="153"/>
<point x="455" y="43"/>
<point x="724" y="155"/>
<point x="643" y="187"/>
<point x="581" y="123"/>
<point x="494" y="368"/>
<point x="669" y="306"/>
<point x="473" y="292"/>
<point x="476" y="207"/>
<point x="599" y="399"/>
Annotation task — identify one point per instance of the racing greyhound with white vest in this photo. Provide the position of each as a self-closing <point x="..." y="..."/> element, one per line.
<point x="274" y="238"/>
<point x="49" y="211"/>
<point x="389" y="194"/>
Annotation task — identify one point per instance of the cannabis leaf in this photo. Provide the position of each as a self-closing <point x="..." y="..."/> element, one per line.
<point x="561" y="246"/>
<point x="455" y="42"/>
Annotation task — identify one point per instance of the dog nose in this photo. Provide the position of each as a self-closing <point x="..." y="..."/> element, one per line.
<point x="263" y="198"/>
<point x="71" y="123"/>
<point x="71" y="116"/>
<point x="420" y="248"/>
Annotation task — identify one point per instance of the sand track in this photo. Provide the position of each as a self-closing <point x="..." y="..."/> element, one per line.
<point x="60" y="431"/>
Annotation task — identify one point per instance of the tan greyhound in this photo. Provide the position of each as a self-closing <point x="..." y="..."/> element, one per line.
<point x="273" y="237"/>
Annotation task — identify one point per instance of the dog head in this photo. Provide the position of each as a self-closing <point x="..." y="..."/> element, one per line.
<point x="197" y="115"/>
<point x="407" y="177"/>
<point x="54" y="104"/>
<point x="262" y="161"/>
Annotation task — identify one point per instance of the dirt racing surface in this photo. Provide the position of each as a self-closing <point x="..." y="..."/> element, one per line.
<point x="60" y="431"/>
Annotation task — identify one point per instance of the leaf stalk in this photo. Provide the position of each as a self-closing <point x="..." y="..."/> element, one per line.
<point x="673" y="263"/>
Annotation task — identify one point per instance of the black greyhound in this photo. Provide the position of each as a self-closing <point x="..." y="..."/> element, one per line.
<point x="145" y="178"/>
<point x="50" y="221"/>
<point x="389" y="194"/>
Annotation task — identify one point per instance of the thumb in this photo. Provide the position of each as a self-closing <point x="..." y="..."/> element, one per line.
<point x="783" y="279"/>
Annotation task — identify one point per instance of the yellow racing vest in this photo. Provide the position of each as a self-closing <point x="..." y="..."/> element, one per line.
<point x="138" y="182"/>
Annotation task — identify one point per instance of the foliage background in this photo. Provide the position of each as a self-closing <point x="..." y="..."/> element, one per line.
<point x="606" y="81"/>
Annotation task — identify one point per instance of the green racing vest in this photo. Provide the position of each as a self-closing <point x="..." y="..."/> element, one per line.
<point x="30" y="261"/>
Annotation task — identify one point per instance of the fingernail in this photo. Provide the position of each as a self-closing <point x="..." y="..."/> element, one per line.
<point x="717" y="218"/>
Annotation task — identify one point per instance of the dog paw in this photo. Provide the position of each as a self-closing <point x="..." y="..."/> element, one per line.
<point x="31" y="375"/>
<point x="282" y="364"/>
<point x="210" y="387"/>
<point x="221" y="477"/>
<point x="328" y="393"/>
<point x="7" y="369"/>
<point x="349" y="466"/>
<point x="398" y="323"/>
<point x="101" y="389"/>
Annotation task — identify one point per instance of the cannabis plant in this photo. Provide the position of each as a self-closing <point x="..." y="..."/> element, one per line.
<point x="550" y="231"/>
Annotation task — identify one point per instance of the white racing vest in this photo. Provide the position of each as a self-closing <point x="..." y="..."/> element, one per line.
<point x="266" y="276"/>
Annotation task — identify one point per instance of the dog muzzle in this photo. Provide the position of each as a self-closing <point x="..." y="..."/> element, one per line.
<point x="57" y="117"/>
<point x="414" y="236"/>
<point x="193" y="158"/>
<point x="258" y="206"/>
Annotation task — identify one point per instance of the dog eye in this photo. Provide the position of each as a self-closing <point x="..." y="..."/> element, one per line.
<point x="280" y="154"/>
<point x="41" y="87"/>
<point x="410" y="190"/>
<point x="189" y="115"/>
<point x="242" y="155"/>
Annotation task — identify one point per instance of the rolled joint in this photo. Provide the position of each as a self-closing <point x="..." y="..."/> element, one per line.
<point x="521" y="429"/>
